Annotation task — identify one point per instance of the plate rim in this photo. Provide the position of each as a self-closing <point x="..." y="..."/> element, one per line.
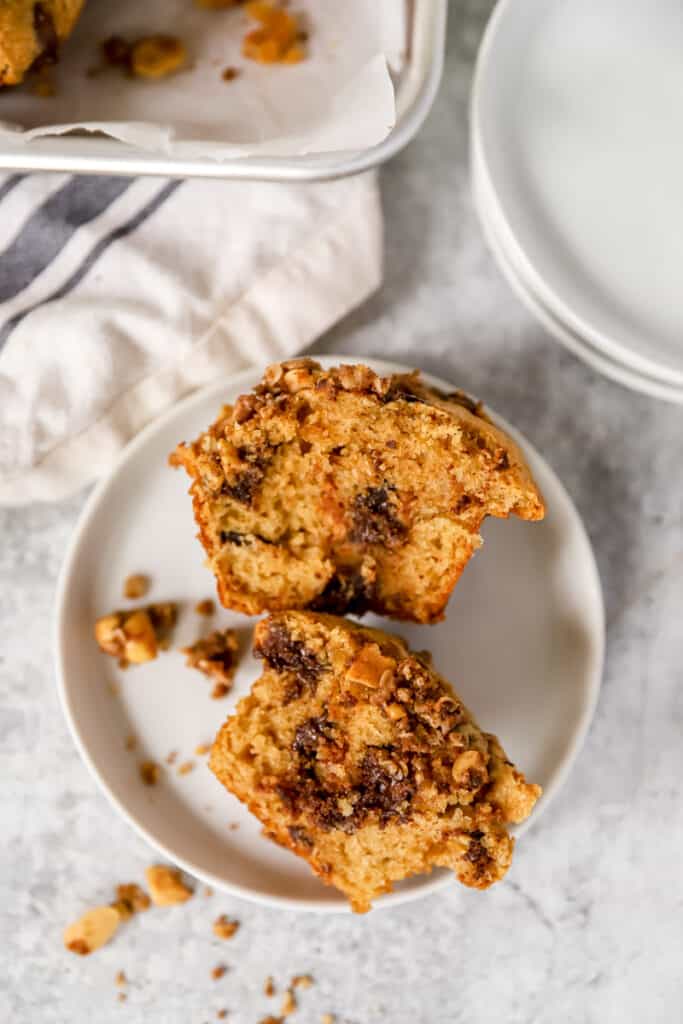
<point x="599" y="361"/>
<point x="606" y="343"/>
<point x="432" y="882"/>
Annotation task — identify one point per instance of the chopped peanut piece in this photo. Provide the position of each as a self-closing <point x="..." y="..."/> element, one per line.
<point x="135" y="636"/>
<point x="157" y="56"/>
<point x="135" y="586"/>
<point x="135" y="896"/>
<point x="91" y="931"/>
<point x="224" y="928"/>
<point x="149" y="772"/>
<point x="166" y="885"/>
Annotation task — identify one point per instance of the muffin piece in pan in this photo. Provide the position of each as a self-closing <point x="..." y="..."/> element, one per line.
<point x="31" y="34"/>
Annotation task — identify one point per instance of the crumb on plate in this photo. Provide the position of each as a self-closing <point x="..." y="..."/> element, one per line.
<point x="135" y="586"/>
<point x="150" y="772"/>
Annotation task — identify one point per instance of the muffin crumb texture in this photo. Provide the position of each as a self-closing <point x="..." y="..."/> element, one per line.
<point x="344" y="492"/>
<point x="362" y="760"/>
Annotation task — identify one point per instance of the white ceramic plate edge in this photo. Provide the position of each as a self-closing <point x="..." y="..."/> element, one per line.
<point x="523" y="289"/>
<point x="548" y="296"/>
<point x="432" y="883"/>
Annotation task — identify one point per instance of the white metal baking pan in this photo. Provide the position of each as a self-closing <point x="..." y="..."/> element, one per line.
<point x="416" y="88"/>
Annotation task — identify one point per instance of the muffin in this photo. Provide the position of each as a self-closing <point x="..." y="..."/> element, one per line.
<point x="343" y="491"/>
<point x="357" y="756"/>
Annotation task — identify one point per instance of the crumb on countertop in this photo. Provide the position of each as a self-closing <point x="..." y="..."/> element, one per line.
<point x="215" y="656"/>
<point x="302" y="981"/>
<point x="269" y="987"/>
<point x="166" y="885"/>
<point x="224" y="928"/>
<point x="218" y="971"/>
<point x="289" y="1004"/>
<point x="185" y="768"/>
<point x="94" y="929"/>
<point x="136" y="635"/>
<point x="202" y="748"/>
<point x="205" y="607"/>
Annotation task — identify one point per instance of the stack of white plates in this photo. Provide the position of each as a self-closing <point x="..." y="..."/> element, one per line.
<point x="577" y="166"/>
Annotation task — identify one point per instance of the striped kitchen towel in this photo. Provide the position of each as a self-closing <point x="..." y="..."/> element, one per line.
<point x="118" y="296"/>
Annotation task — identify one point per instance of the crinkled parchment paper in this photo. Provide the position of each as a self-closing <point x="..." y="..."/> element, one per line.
<point x="340" y="98"/>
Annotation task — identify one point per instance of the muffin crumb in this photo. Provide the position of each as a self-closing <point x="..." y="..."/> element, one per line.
<point x="150" y="772"/>
<point x="206" y="607"/>
<point x="135" y="586"/>
<point x="94" y="929"/>
<point x="218" y="971"/>
<point x="166" y="885"/>
<point x="224" y="928"/>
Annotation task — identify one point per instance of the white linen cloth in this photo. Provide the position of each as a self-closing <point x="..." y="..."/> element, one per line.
<point x="119" y="296"/>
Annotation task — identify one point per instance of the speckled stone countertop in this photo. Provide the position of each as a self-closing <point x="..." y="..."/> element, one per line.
<point x="589" y="925"/>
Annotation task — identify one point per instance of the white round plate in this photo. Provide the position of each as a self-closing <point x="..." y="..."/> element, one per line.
<point x="523" y="643"/>
<point x="575" y="107"/>
<point x="521" y="281"/>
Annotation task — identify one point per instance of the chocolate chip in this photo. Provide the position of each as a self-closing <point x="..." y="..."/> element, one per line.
<point x="299" y="836"/>
<point x="309" y="734"/>
<point x="285" y="654"/>
<point x="384" y="790"/>
<point x="373" y="517"/>
<point x="245" y="485"/>
<point x="46" y="34"/>
<point x="503" y="462"/>
<point x="345" y="593"/>
<point x="231" y="537"/>
<point x="476" y="853"/>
